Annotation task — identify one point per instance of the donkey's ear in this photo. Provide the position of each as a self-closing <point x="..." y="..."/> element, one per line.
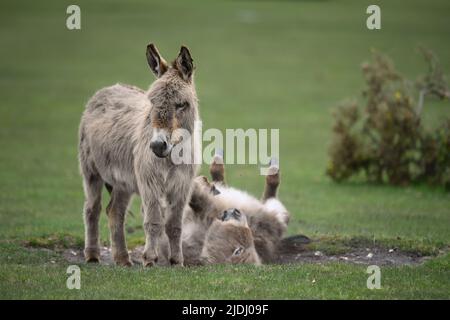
<point x="184" y="63"/>
<point x="155" y="61"/>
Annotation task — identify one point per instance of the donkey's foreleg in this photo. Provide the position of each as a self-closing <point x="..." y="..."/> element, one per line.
<point x="153" y="228"/>
<point x="173" y="230"/>
<point x="272" y="180"/>
<point x="116" y="212"/>
<point x="178" y="193"/>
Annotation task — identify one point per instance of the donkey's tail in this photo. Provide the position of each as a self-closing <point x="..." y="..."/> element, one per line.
<point x="293" y="244"/>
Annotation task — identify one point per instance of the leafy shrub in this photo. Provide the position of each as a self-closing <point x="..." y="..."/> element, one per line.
<point x="386" y="140"/>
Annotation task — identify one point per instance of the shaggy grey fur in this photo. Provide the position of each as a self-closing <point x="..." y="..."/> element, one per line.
<point x="251" y="237"/>
<point x="117" y="132"/>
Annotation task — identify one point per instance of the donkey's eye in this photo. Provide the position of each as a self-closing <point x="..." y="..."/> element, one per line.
<point x="238" y="251"/>
<point x="181" y="106"/>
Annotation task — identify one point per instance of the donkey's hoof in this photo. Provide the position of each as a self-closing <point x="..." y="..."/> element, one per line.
<point x="218" y="157"/>
<point x="149" y="260"/>
<point x="274" y="167"/>
<point x="92" y="255"/>
<point x="174" y="261"/>
<point x="216" y="169"/>
<point x="123" y="260"/>
<point x="124" y="263"/>
<point x="92" y="260"/>
<point x="149" y="263"/>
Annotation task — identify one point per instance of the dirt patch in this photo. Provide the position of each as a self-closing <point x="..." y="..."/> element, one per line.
<point x="76" y="256"/>
<point x="296" y="249"/>
<point x="300" y="249"/>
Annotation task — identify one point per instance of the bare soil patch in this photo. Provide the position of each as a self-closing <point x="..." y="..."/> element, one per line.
<point x="294" y="250"/>
<point x="297" y="249"/>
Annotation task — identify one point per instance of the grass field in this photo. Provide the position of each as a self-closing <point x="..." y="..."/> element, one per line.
<point x="260" y="64"/>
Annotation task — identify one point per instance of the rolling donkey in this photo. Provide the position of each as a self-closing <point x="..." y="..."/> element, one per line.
<point x="226" y="225"/>
<point x="126" y="137"/>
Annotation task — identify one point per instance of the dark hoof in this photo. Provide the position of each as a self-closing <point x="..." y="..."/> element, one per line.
<point x="148" y="262"/>
<point x="92" y="255"/>
<point x="175" y="262"/>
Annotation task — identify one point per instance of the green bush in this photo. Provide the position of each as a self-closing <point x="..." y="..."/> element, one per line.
<point x="386" y="140"/>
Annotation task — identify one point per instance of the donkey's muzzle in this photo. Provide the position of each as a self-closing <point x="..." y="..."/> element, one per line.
<point x="160" y="148"/>
<point x="231" y="214"/>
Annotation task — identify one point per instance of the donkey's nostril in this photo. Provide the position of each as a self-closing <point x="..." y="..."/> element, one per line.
<point x="159" y="148"/>
<point x="225" y="215"/>
<point x="231" y="214"/>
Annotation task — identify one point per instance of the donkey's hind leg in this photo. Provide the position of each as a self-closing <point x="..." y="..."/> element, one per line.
<point x="116" y="212"/>
<point x="217" y="169"/>
<point x="272" y="180"/>
<point x="92" y="207"/>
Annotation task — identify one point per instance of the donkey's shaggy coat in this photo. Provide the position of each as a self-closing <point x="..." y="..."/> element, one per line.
<point x="126" y="135"/>
<point x="226" y="225"/>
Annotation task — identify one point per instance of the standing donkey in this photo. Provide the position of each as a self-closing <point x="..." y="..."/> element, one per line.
<point x="126" y="137"/>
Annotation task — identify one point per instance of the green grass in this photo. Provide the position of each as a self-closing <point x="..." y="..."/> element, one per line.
<point x="260" y="64"/>
<point x="39" y="279"/>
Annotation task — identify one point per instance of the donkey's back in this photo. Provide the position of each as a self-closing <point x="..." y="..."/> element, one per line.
<point x="108" y="134"/>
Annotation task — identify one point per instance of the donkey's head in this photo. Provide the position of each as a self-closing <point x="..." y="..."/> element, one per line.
<point x="173" y="99"/>
<point x="230" y="240"/>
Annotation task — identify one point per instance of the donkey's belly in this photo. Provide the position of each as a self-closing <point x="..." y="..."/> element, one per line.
<point x="112" y="154"/>
<point x="115" y="160"/>
<point x="119" y="178"/>
<point x="115" y="165"/>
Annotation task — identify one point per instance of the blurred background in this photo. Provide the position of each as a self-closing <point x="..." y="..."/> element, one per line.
<point x="260" y="64"/>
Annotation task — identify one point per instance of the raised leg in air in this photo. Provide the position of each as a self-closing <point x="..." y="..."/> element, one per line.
<point x="217" y="169"/>
<point x="272" y="180"/>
